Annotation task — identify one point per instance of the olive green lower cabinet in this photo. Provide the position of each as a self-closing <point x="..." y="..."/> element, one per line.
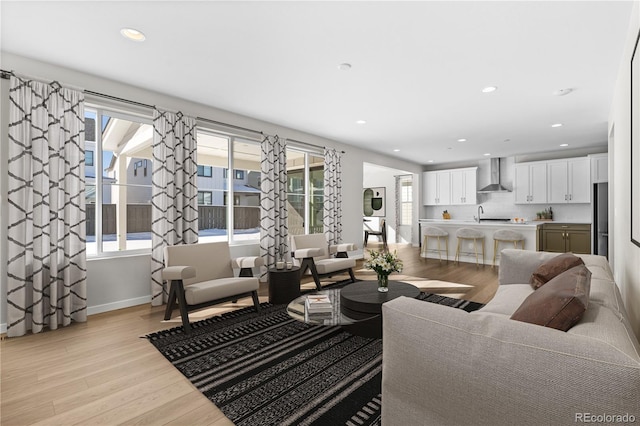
<point x="565" y="237"/>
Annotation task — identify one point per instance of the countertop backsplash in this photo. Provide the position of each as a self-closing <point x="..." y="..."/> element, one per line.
<point x="501" y="205"/>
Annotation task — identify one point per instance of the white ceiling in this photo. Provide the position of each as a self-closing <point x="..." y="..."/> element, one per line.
<point x="417" y="67"/>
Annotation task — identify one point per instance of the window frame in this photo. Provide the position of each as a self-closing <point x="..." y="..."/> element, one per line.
<point x="101" y="109"/>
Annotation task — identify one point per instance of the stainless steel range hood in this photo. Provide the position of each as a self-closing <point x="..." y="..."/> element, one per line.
<point x="495" y="185"/>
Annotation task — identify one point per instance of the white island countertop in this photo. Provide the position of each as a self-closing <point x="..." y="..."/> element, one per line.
<point x="488" y="223"/>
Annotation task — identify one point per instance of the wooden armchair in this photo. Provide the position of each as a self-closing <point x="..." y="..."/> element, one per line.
<point x="202" y="275"/>
<point x="312" y="253"/>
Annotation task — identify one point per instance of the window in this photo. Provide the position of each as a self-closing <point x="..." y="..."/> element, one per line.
<point x="205" y="171"/>
<point x="142" y="165"/>
<point x="118" y="185"/>
<point x="305" y="192"/>
<point x="118" y="169"/>
<point x="205" y="198"/>
<point x="213" y="156"/>
<point x="88" y="158"/>
<point x="246" y="190"/>
<point x="406" y="200"/>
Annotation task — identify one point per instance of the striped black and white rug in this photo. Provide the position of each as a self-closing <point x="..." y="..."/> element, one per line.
<point x="269" y="369"/>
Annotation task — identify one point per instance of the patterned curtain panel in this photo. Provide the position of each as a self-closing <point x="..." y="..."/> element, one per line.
<point x="47" y="273"/>
<point x="274" y="232"/>
<point x="174" y="200"/>
<point x="332" y="196"/>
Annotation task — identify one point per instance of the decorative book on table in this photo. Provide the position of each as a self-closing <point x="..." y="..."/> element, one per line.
<point x="317" y="303"/>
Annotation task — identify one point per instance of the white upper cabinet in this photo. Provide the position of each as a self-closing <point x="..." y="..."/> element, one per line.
<point x="599" y="168"/>
<point x="437" y="188"/>
<point x="569" y="181"/>
<point x="464" y="186"/>
<point x="530" y="183"/>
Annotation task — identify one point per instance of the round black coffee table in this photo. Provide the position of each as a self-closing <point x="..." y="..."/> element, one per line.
<point x="362" y="299"/>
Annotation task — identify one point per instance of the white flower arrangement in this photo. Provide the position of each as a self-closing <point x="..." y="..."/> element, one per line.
<point x="383" y="263"/>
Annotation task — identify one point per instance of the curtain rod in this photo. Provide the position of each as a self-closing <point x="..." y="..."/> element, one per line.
<point x="115" y="98"/>
<point x="310" y="144"/>
<point x="6" y="74"/>
<point x="233" y="126"/>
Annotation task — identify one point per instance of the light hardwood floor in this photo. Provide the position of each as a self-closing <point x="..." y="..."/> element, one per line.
<point x="103" y="372"/>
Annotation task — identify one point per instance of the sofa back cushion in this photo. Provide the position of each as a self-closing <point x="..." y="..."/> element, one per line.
<point x="552" y="268"/>
<point x="560" y="303"/>
<point x="516" y="266"/>
<point x="211" y="260"/>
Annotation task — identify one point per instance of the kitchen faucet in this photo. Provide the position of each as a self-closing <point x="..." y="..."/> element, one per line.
<point x="480" y="209"/>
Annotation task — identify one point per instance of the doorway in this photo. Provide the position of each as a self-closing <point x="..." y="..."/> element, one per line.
<point x="389" y="194"/>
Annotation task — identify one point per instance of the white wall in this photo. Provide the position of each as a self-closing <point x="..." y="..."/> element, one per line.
<point x="120" y="282"/>
<point x="626" y="255"/>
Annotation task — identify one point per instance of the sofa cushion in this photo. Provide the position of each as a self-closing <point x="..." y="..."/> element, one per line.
<point x="560" y="303"/>
<point x="507" y="299"/>
<point x="552" y="268"/>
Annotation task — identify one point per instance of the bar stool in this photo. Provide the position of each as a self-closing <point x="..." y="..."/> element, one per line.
<point x="437" y="233"/>
<point x="506" y="236"/>
<point x="469" y="234"/>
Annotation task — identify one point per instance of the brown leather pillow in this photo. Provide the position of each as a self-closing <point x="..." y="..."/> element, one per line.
<point x="560" y="303"/>
<point x="552" y="268"/>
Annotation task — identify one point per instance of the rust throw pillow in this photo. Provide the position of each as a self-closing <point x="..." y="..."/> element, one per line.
<point x="552" y="268"/>
<point x="560" y="303"/>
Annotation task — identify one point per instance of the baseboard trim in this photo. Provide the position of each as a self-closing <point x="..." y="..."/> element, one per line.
<point x="120" y="304"/>
<point x="92" y="310"/>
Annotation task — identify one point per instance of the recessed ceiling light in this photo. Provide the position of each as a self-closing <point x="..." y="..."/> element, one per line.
<point x="562" y="92"/>
<point x="556" y="125"/>
<point x="486" y="154"/>
<point x="133" y="34"/>
<point x="344" y="66"/>
<point x="396" y="150"/>
<point x="564" y="144"/>
<point x="361" y="122"/>
<point x="462" y="140"/>
<point x="429" y="161"/>
<point x="489" y="89"/>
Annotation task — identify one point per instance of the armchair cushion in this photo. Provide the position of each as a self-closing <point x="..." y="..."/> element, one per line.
<point x="327" y="266"/>
<point x="221" y="288"/>
<point x="310" y="241"/>
<point x="210" y="260"/>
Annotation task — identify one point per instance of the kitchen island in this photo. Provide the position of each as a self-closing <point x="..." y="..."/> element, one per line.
<point x="487" y="227"/>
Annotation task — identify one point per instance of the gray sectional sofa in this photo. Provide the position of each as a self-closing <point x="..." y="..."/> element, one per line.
<point x="444" y="366"/>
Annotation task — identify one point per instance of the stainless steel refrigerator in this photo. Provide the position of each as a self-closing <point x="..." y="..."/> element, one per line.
<point x="601" y="219"/>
